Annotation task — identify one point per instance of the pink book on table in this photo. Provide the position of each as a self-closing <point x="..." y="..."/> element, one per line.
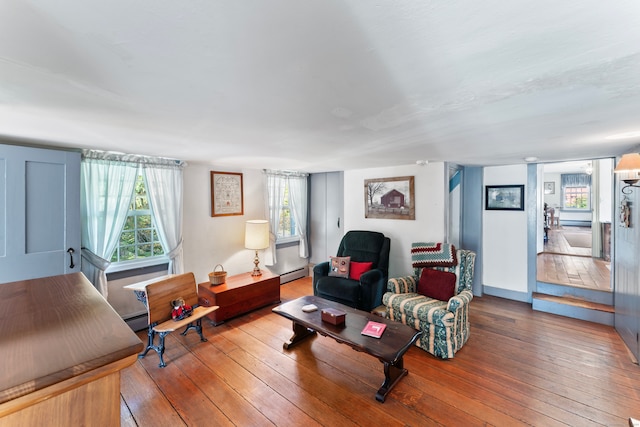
<point x="374" y="329"/>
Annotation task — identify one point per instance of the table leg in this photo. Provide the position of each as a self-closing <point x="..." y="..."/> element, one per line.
<point x="393" y="372"/>
<point x="151" y="334"/>
<point x="299" y="333"/>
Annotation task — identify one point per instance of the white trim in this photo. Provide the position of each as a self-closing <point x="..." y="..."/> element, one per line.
<point x="288" y="239"/>
<point x="137" y="263"/>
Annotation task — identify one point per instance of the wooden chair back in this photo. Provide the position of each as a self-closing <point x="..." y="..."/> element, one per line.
<point x="160" y="294"/>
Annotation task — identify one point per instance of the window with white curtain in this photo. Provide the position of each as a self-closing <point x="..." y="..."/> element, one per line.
<point x="139" y="238"/>
<point x="287" y="230"/>
<point x="576" y="191"/>
<point x="131" y="206"/>
<point x="287" y="195"/>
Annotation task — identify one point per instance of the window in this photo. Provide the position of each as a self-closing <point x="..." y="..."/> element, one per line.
<point x="139" y="237"/>
<point x="288" y="198"/>
<point x="576" y="191"/>
<point x="576" y="198"/>
<point x="287" y="224"/>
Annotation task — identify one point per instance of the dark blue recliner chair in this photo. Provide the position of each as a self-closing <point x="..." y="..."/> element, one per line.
<point x="365" y="294"/>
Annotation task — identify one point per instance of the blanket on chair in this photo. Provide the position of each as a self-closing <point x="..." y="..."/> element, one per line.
<point x="433" y="255"/>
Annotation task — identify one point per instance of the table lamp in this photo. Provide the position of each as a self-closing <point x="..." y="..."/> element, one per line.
<point x="256" y="237"/>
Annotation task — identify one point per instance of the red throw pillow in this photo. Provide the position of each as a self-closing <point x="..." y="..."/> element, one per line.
<point x="437" y="284"/>
<point x="357" y="269"/>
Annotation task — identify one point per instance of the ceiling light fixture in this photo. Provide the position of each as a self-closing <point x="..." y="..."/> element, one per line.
<point x="629" y="163"/>
<point x="530" y="159"/>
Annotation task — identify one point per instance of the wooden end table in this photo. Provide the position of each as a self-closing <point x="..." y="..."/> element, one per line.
<point x="389" y="348"/>
<point x="239" y="294"/>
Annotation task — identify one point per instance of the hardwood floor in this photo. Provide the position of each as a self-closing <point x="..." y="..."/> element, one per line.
<point x="519" y="367"/>
<point x="568" y="265"/>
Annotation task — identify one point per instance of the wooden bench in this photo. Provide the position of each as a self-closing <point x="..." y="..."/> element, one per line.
<point x="159" y="296"/>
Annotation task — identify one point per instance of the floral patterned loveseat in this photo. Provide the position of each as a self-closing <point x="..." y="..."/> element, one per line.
<point x="444" y="324"/>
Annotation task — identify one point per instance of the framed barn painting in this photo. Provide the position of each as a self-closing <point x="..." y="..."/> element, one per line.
<point x="389" y="198"/>
<point x="504" y="197"/>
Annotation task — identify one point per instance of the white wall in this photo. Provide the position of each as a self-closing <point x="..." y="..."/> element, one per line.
<point x="431" y="188"/>
<point x="504" y="245"/>
<point x="209" y="241"/>
<point x="553" y="200"/>
<point x="606" y="189"/>
<point x="218" y="240"/>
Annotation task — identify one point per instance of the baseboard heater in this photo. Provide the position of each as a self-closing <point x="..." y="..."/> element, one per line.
<point x="293" y="275"/>
<point x="137" y="323"/>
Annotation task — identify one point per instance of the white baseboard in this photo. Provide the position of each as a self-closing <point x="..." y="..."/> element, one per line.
<point x="294" y="275"/>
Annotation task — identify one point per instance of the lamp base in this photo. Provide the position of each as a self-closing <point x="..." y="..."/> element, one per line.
<point x="256" y="271"/>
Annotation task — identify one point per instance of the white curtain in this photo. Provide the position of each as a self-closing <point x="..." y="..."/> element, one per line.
<point x="298" y="203"/>
<point x="274" y="189"/>
<point x="164" y="187"/>
<point x="106" y="189"/>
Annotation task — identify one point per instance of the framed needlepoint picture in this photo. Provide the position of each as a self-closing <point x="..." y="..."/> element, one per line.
<point x="226" y="194"/>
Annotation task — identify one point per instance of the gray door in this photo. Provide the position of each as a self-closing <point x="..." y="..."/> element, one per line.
<point x="39" y="212"/>
<point x="326" y="215"/>
<point x="335" y="212"/>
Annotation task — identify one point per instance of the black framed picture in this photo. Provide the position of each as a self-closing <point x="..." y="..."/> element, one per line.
<point x="504" y="197"/>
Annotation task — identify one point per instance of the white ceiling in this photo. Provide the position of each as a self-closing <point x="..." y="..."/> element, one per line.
<point x="323" y="85"/>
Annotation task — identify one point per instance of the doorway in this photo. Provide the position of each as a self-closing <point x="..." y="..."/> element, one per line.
<point x="577" y="214"/>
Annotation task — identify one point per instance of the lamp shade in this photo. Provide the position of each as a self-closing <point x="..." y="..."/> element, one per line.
<point x="628" y="163"/>
<point x="256" y="234"/>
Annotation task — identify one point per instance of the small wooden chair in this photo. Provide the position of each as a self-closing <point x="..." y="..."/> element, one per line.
<point x="159" y="297"/>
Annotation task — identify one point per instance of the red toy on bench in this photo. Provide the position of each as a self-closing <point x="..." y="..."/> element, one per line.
<point x="180" y="309"/>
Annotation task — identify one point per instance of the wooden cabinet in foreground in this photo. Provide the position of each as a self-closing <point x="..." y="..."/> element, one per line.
<point x="62" y="347"/>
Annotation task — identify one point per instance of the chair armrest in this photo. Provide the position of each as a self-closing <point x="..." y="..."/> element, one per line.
<point x="444" y="317"/>
<point x="402" y="285"/>
<point x="371" y="289"/>
<point x="321" y="269"/>
<point x="463" y="298"/>
<point x="370" y="277"/>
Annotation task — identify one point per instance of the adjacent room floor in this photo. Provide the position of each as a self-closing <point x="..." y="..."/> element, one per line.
<point x="567" y="260"/>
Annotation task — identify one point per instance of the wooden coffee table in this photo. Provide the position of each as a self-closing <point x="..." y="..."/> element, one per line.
<point x="389" y="348"/>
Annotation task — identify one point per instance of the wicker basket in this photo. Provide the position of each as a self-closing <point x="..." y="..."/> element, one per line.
<point x="218" y="277"/>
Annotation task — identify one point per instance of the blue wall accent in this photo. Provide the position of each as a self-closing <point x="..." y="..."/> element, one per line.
<point x="471" y="233"/>
<point x="455" y="180"/>
<point x="508" y="294"/>
<point x="534" y="213"/>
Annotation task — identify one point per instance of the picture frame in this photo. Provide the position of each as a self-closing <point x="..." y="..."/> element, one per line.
<point x="549" y="187"/>
<point x="390" y="198"/>
<point x="226" y="194"/>
<point x="504" y="197"/>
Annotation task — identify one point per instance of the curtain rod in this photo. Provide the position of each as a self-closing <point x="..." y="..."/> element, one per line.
<point x="284" y="173"/>
<point x="112" y="156"/>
